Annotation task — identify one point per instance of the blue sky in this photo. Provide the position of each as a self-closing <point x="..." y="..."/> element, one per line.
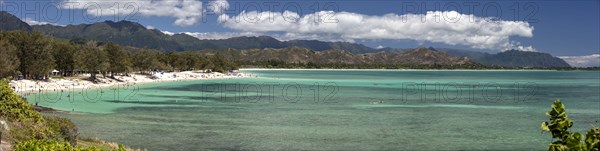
<point x="561" y="28"/>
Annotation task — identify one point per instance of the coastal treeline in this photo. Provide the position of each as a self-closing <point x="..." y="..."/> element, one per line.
<point x="33" y="55"/>
<point x="277" y="64"/>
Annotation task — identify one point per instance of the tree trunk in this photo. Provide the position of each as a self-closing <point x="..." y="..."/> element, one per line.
<point x="93" y="76"/>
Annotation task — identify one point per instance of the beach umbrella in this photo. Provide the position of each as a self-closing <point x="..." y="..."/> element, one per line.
<point x="55" y="72"/>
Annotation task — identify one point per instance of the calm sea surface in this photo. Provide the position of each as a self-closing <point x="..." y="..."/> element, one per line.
<point x="336" y="110"/>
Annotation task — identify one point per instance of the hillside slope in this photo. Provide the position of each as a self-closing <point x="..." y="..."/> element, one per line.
<point x="11" y="22"/>
<point x="515" y="58"/>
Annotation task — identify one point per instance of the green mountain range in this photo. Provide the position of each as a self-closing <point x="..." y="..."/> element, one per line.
<point x="136" y="35"/>
<point x="133" y="34"/>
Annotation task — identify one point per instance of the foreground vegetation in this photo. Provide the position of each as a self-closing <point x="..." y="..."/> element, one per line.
<point x="559" y="125"/>
<point x="29" y="130"/>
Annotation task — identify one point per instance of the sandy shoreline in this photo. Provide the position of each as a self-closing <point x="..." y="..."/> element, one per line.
<point x="71" y="83"/>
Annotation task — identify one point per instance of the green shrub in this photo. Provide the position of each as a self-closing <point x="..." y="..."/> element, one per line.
<point x="559" y="127"/>
<point x="14" y="107"/>
<point x="29" y="123"/>
<point x="27" y="130"/>
<point x="46" y="145"/>
<point x="62" y="129"/>
<point x="49" y="145"/>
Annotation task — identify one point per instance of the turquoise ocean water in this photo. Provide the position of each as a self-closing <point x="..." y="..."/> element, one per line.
<point x="336" y="110"/>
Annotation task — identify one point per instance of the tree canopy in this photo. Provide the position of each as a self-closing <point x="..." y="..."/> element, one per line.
<point x="35" y="55"/>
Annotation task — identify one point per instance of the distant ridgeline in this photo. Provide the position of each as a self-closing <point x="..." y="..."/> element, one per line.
<point x="265" y="51"/>
<point x="298" y="57"/>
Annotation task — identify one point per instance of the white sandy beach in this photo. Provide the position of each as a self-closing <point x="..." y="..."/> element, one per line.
<point x="80" y="82"/>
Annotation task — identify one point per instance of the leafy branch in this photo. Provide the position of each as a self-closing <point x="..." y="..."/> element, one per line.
<point x="559" y="125"/>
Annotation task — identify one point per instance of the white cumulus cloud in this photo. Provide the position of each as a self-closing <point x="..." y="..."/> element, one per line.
<point x="583" y="61"/>
<point x="448" y="27"/>
<point x="32" y="22"/>
<point x="185" y="12"/>
<point x="168" y="33"/>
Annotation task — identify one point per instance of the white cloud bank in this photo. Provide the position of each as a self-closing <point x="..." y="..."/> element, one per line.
<point x="186" y="12"/>
<point x="32" y="22"/>
<point x="448" y="27"/>
<point x="215" y="35"/>
<point x="168" y="33"/>
<point x="220" y="35"/>
<point x="583" y="61"/>
<point x="281" y="37"/>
